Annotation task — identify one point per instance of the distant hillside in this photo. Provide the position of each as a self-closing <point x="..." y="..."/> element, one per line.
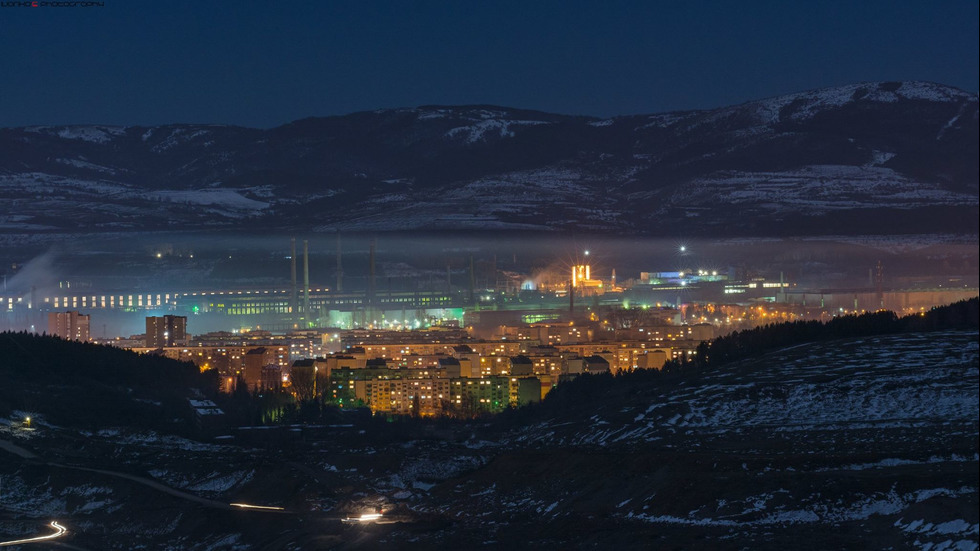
<point x="886" y="158"/>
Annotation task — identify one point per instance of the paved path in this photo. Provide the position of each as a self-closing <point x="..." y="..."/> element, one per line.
<point x="16" y="450"/>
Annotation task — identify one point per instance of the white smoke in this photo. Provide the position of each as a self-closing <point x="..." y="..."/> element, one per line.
<point x="38" y="273"/>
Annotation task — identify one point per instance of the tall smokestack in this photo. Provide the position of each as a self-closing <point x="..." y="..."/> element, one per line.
<point x="371" y="272"/>
<point x="472" y="296"/>
<point x="571" y="299"/>
<point x="879" y="282"/>
<point x="340" y="267"/>
<point x="781" y="294"/>
<point x="292" y="301"/>
<point x="494" y="269"/>
<point x="306" y="278"/>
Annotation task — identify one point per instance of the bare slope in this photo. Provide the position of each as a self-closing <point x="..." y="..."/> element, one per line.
<point x="866" y="158"/>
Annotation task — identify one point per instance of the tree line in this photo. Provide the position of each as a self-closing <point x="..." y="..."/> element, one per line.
<point x="87" y="385"/>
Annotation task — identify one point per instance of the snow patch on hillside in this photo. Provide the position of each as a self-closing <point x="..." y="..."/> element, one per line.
<point x="664" y="120"/>
<point x="179" y="136"/>
<point x="819" y="188"/>
<point x="93" y="134"/>
<point x="818" y="511"/>
<point x="879" y="158"/>
<point x="485" y="129"/>
<point x="227" y="198"/>
<point x="805" y="105"/>
<point x="876" y="383"/>
<point x="86" y="165"/>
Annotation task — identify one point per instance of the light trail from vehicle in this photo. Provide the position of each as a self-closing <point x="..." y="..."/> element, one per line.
<point x="366" y="517"/>
<point x="260" y="507"/>
<point x="59" y="531"/>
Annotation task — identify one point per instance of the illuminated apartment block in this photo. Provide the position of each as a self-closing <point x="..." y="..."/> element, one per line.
<point x="70" y="325"/>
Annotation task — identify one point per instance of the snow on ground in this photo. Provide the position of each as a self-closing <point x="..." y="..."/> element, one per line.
<point x="217" y="483"/>
<point x="61" y="194"/>
<point x="179" y="136"/>
<point x="210" y="484"/>
<point x="879" y="158"/>
<point x="665" y="120"/>
<point x="231" y="542"/>
<point x="152" y="439"/>
<point x="818" y="188"/>
<point x="95" y="134"/>
<point x="482" y="130"/>
<point x="814" y="510"/>
<point x="943" y="535"/>
<point x="72" y="195"/>
<point x="902" y="381"/>
<point x="30" y="499"/>
<point x="427" y="468"/>
<point x="80" y="163"/>
<point x="228" y="198"/>
<point x="47" y="184"/>
<point x="896" y="462"/>
<point x="480" y="204"/>
<point x="807" y="104"/>
<point x="929" y="376"/>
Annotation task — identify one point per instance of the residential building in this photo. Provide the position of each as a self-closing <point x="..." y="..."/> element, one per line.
<point x="70" y="325"/>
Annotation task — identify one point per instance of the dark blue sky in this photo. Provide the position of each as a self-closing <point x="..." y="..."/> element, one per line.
<point x="264" y="63"/>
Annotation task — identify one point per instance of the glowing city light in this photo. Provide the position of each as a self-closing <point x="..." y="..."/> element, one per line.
<point x="366" y="517"/>
<point x="259" y="507"/>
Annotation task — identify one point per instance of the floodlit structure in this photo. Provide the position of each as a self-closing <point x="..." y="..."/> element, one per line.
<point x="582" y="282"/>
<point x="164" y="331"/>
<point x="70" y="325"/>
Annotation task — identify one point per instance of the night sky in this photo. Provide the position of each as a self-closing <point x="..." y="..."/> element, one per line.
<point x="267" y="63"/>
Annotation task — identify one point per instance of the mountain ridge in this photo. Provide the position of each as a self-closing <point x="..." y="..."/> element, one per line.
<point x="789" y="164"/>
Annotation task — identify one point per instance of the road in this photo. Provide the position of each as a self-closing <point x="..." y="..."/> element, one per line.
<point x="59" y="531"/>
<point x="16" y="450"/>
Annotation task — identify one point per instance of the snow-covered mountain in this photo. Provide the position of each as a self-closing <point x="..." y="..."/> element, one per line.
<point x="865" y="158"/>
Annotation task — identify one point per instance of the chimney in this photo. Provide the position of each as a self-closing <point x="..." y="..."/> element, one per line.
<point x="571" y="299"/>
<point x="306" y="278"/>
<point x="340" y="267"/>
<point x="371" y="272"/>
<point x="879" y="281"/>
<point x="292" y="302"/>
<point x="494" y="270"/>
<point x="472" y="289"/>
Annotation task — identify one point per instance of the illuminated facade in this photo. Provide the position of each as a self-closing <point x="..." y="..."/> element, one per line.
<point x="582" y="281"/>
<point x="166" y="331"/>
<point x="69" y="325"/>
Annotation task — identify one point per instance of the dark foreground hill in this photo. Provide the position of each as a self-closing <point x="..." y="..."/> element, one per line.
<point x="879" y="158"/>
<point x="84" y="385"/>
